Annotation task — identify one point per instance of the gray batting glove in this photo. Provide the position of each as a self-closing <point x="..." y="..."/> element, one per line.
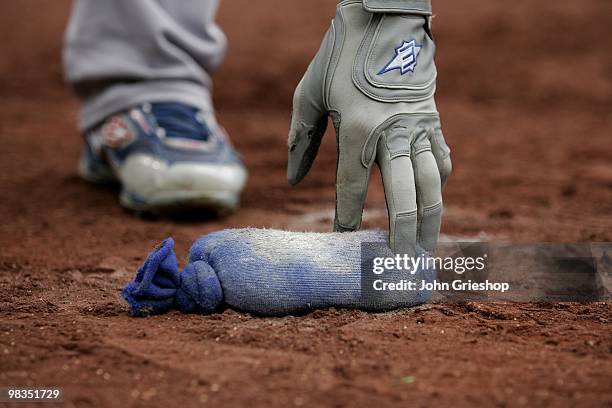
<point x="375" y="76"/>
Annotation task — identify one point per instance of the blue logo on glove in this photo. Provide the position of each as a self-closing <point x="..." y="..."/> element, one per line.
<point x="405" y="58"/>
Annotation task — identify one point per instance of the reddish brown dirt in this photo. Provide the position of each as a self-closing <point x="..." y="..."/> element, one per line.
<point x="525" y="92"/>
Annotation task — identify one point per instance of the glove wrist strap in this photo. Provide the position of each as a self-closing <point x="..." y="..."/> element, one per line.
<point x="422" y="7"/>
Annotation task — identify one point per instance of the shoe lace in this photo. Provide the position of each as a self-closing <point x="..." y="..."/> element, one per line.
<point x="179" y="120"/>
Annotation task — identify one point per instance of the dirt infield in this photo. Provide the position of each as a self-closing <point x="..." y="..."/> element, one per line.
<point x="525" y="93"/>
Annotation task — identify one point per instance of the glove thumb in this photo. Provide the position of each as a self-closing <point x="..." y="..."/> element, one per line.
<point x="309" y="116"/>
<point x="308" y="124"/>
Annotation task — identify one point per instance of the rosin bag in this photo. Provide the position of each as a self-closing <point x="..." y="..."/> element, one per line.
<point x="270" y="273"/>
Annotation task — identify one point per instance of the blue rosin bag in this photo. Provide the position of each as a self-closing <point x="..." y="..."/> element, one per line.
<point x="271" y="273"/>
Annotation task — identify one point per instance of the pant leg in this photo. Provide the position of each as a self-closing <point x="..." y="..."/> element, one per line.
<point x="120" y="53"/>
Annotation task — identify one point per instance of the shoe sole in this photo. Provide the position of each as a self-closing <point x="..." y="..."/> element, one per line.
<point x="182" y="191"/>
<point x="176" y="201"/>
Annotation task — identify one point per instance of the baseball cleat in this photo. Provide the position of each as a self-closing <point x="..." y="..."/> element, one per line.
<point x="166" y="156"/>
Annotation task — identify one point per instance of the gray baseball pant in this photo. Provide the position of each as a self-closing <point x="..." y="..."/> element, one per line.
<point x="118" y="54"/>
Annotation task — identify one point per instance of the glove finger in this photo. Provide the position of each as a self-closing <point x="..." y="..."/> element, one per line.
<point x="400" y="192"/>
<point x="352" y="179"/>
<point x="429" y="198"/>
<point x="441" y="153"/>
